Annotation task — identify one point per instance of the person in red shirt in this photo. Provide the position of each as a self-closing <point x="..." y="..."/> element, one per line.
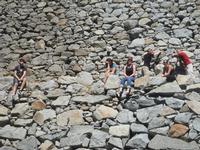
<point x="184" y="61"/>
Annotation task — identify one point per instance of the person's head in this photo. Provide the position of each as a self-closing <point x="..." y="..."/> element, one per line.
<point x="109" y="61"/>
<point x="130" y="60"/>
<point x="150" y="51"/>
<point x="166" y="62"/>
<point x="21" y="61"/>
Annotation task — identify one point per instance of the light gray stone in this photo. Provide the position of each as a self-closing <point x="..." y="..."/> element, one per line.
<point x="157" y="80"/>
<point x="196" y="124"/>
<point x="157" y="122"/>
<point x="193" y="87"/>
<point x="139" y="42"/>
<point x="193" y="96"/>
<point x="92" y="99"/>
<point x="13" y="133"/>
<point x="97" y="88"/>
<point x="194" y="106"/>
<point x="161" y="131"/>
<point x="67" y="80"/>
<point x="174" y="102"/>
<point x="183" y="117"/>
<point x="43" y="115"/>
<point x="167" y="89"/>
<point x="162" y="36"/>
<point x="120" y="130"/>
<point x="7" y="148"/>
<point x="138" y="128"/>
<point x="30" y="143"/>
<point x="144" y="115"/>
<point x="4" y="120"/>
<point x="61" y="101"/>
<point x="116" y="142"/>
<point x="23" y="122"/>
<point x="20" y="109"/>
<point x="112" y="82"/>
<point x="80" y="130"/>
<point x="125" y="116"/>
<point x="139" y="141"/>
<point x="85" y="78"/>
<point x="71" y="117"/>
<point x="181" y="33"/>
<point x="98" y="139"/>
<point x="164" y="142"/>
<point x="55" y="93"/>
<point x="3" y="110"/>
<point x="5" y="82"/>
<point x="175" y="41"/>
<point x="103" y="112"/>
<point x="51" y="84"/>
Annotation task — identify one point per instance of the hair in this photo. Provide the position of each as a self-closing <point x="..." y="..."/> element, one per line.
<point x="22" y="60"/>
<point x="129" y="59"/>
<point x="110" y="62"/>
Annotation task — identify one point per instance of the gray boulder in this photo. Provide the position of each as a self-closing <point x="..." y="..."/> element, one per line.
<point x="30" y="143"/>
<point x="164" y="142"/>
<point x="139" y="141"/>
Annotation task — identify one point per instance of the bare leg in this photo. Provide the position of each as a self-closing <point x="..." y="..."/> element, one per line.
<point x="14" y="89"/>
<point x="23" y="84"/>
<point x="107" y="73"/>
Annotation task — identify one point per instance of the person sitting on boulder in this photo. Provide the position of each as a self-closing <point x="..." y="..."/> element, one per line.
<point x="168" y="71"/>
<point x="110" y="68"/>
<point x="151" y="58"/>
<point x="184" y="61"/>
<point x="19" y="76"/>
<point x="128" y="76"/>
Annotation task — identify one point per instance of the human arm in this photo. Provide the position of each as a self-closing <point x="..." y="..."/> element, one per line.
<point x="113" y="69"/>
<point x="15" y="75"/>
<point x="134" y="70"/>
<point x="124" y="71"/>
<point x="24" y="74"/>
<point x="168" y="71"/>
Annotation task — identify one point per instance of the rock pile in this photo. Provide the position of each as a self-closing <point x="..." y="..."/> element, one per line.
<point x="64" y="105"/>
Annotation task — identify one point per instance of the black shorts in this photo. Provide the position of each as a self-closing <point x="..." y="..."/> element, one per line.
<point x="15" y="81"/>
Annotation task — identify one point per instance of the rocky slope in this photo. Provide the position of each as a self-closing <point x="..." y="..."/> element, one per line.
<point x="65" y="43"/>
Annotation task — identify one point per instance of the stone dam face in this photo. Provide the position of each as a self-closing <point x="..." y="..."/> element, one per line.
<point x="65" y="105"/>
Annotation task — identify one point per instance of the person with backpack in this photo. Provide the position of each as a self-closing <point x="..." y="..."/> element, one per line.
<point x="168" y="71"/>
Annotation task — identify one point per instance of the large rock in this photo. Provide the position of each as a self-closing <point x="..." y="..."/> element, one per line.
<point x="112" y="82"/>
<point x="85" y="78"/>
<point x="183" y="80"/>
<point x="167" y="89"/>
<point x="97" y="88"/>
<point x="183" y="117"/>
<point x="174" y="102"/>
<point x="74" y="140"/>
<point x="157" y="80"/>
<point x="71" y="117"/>
<point x="30" y="143"/>
<point x="5" y="82"/>
<point x="194" y="106"/>
<point x="157" y="122"/>
<point x="177" y="130"/>
<point x="12" y="133"/>
<point x="138" y="128"/>
<point x="103" y="112"/>
<point x="196" y="124"/>
<point x="61" y="101"/>
<point x="164" y="142"/>
<point x="98" y="139"/>
<point x="3" y="120"/>
<point x="67" y="80"/>
<point x="91" y="99"/>
<point x="137" y="43"/>
<point x="139" y="141"/>
<point x="125" y="116"/>
<point x="38" y="105"/>
<point x="7" y="148"/>
<point x="43" y="115"/>
<point x="166" y="111"/>
<point x="193" y="96"/>
<point x="3" y="95"/>
<point x="141" y="82"/>
<point x="182" y="33"/>
<point x="80" y="130"/>
<point x="20" y="109"/>
<point x="55" y="93"/>
<point x="51" y="84"/>
<point x="120" y="130"/>
<point x="116" y="142"/>
<point x="161" y="131"/>
<point x="194" y="87"/>
<point x="3" y="110"/>
<point x="144" y="115"/>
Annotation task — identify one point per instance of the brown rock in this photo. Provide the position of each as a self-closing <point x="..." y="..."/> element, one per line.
<point x="40" y="44"/>
<point x="165" y="111"/>
<point x="38" y="105"/>
<point x="178" y="130"/>
<point x="141" y="82"/>
<point x="194" y="106"/>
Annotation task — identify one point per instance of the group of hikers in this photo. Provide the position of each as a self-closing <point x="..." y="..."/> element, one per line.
<point x="150" y="60"/>
<point x="128" y="73"/>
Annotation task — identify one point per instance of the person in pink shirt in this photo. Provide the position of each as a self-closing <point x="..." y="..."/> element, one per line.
<point x="184" y="61"/>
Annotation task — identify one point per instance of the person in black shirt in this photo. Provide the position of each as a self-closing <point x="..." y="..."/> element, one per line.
<point x="19" y="76"/>
<point x="129" y="75"/>
<point x="148" y="58"/>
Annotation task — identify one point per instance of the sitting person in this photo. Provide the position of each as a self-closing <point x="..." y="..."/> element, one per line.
<point x="110" y="68"/>
<point x="151" y="58"/>
<point x="19" y="76"/>
<point x="184" y="61"/>
<point x="129" y="76"/>
<point x="168" y="71"/>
